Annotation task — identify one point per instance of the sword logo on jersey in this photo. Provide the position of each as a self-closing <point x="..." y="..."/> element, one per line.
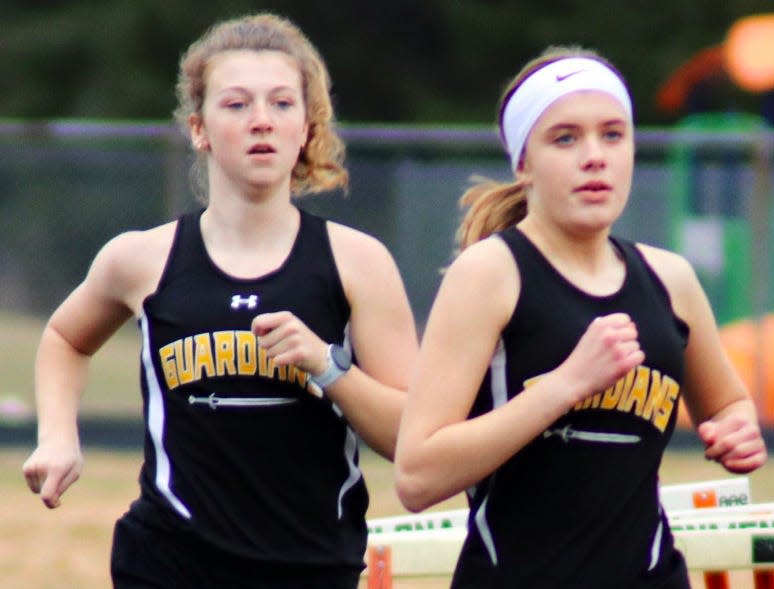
<point x="249" y="302"/>
<point x="568" y="433"/>
<point x="643" y="392"/>
<point x="214" y="401"/>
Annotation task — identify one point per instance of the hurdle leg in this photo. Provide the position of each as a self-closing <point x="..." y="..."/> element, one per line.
<point x="764" y="579"/>
<point x="379" y="567"/>
<point x="712" y="579"/>
<point x="716" y="580"/>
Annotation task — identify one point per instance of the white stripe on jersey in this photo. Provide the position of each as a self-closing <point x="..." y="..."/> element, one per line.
<point x="499" y="398"/>
<point x="350" y="445"/>
<point x="156" y="424"/>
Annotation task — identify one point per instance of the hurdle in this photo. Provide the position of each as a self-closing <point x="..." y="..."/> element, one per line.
<point x="733" y="535"/>
<point x="724" y="492"/>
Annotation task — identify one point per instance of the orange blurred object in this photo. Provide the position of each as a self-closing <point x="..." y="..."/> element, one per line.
<point x="379" y="567"/>
<point x="673" y="94"/>
<point x="749" y="52"/>
<point x="705" y="499"/>
<point x="749" y="345"/>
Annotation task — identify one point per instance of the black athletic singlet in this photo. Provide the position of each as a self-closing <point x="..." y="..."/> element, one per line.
<point x="578" y="506"/>
<point x="238" y="453"/>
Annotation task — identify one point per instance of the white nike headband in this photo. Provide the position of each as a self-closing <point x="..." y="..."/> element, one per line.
<point x="546" y="85"/>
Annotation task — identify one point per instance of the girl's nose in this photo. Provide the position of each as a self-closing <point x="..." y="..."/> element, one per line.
<point x="593" y="155"/>
<point x="260" y="121"/>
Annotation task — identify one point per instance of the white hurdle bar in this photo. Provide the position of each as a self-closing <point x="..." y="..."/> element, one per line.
<point x="738" y="542"/>
<point x="733" y="493"/>
<point x="736" y="536"/>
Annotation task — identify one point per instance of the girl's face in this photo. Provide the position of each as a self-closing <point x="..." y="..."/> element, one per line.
<point x="578" y="162"/>
<point x="253" y="120"/>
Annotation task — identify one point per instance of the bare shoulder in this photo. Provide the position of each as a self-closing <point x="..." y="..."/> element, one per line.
<point x="129" y="266"/>
<point x="668" y="265"/>
<point x="381" y="320"/>
<point x="488" y="259"/>
<point x="137" y="249"/>
<point x="677" y="274"/>
<point x="355" y="246"/>
<point x="484" y="276"/>
<point x="367" y="268"/>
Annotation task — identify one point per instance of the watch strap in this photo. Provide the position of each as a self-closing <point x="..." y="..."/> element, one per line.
<point x="331" y="374"/>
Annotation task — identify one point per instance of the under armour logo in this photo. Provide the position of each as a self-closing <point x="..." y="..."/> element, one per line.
<point x="250" y="302"/>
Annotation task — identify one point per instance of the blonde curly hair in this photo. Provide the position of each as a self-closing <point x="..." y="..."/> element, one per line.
<point x="320" y="165"/>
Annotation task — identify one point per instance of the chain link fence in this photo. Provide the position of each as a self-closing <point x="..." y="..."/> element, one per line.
<point x="703" y="189"/>
<point x="68" y="187"/>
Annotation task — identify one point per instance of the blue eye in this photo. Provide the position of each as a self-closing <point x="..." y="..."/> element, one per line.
<point x="564" y="139"/>
<point x="284" y="104"/>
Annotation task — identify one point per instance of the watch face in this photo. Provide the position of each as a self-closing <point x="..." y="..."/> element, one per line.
<point x="341" y="357"/>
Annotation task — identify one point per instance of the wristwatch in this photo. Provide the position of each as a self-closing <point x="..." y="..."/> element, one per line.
<point x="339" y="361"/>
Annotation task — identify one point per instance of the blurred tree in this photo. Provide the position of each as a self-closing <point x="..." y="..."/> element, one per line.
<point x="429" y="61"/>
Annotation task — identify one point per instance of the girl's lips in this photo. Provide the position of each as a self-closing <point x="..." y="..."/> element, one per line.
<point x="594" y="192"/>
<point x="261" y="148"/>
<point x="593" y="187"/>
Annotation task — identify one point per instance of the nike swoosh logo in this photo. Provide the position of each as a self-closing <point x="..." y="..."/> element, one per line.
<point x="565" y="76"/>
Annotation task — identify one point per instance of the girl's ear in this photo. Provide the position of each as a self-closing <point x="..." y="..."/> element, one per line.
<point x="198" y="133"/>
<point x="522" y="173"/>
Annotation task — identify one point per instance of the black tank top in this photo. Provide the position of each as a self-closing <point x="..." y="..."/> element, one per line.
<point x="578" y="507"/>
<point x="238" y="453"/>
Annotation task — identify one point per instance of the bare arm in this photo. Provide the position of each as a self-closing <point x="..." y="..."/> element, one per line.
<point x="715" y="396"/>
<point x="383" y="334"/>
<point x="440" y="452"/>
<point x="75" y="331"/>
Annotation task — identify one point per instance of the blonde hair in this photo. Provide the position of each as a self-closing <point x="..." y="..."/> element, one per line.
<point x="490" y="206"/>
<point x="320" y="164"/>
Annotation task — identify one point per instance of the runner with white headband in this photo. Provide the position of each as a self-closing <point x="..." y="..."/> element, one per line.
<point x="541" y="89"/>
<point x="555" y="356"/>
